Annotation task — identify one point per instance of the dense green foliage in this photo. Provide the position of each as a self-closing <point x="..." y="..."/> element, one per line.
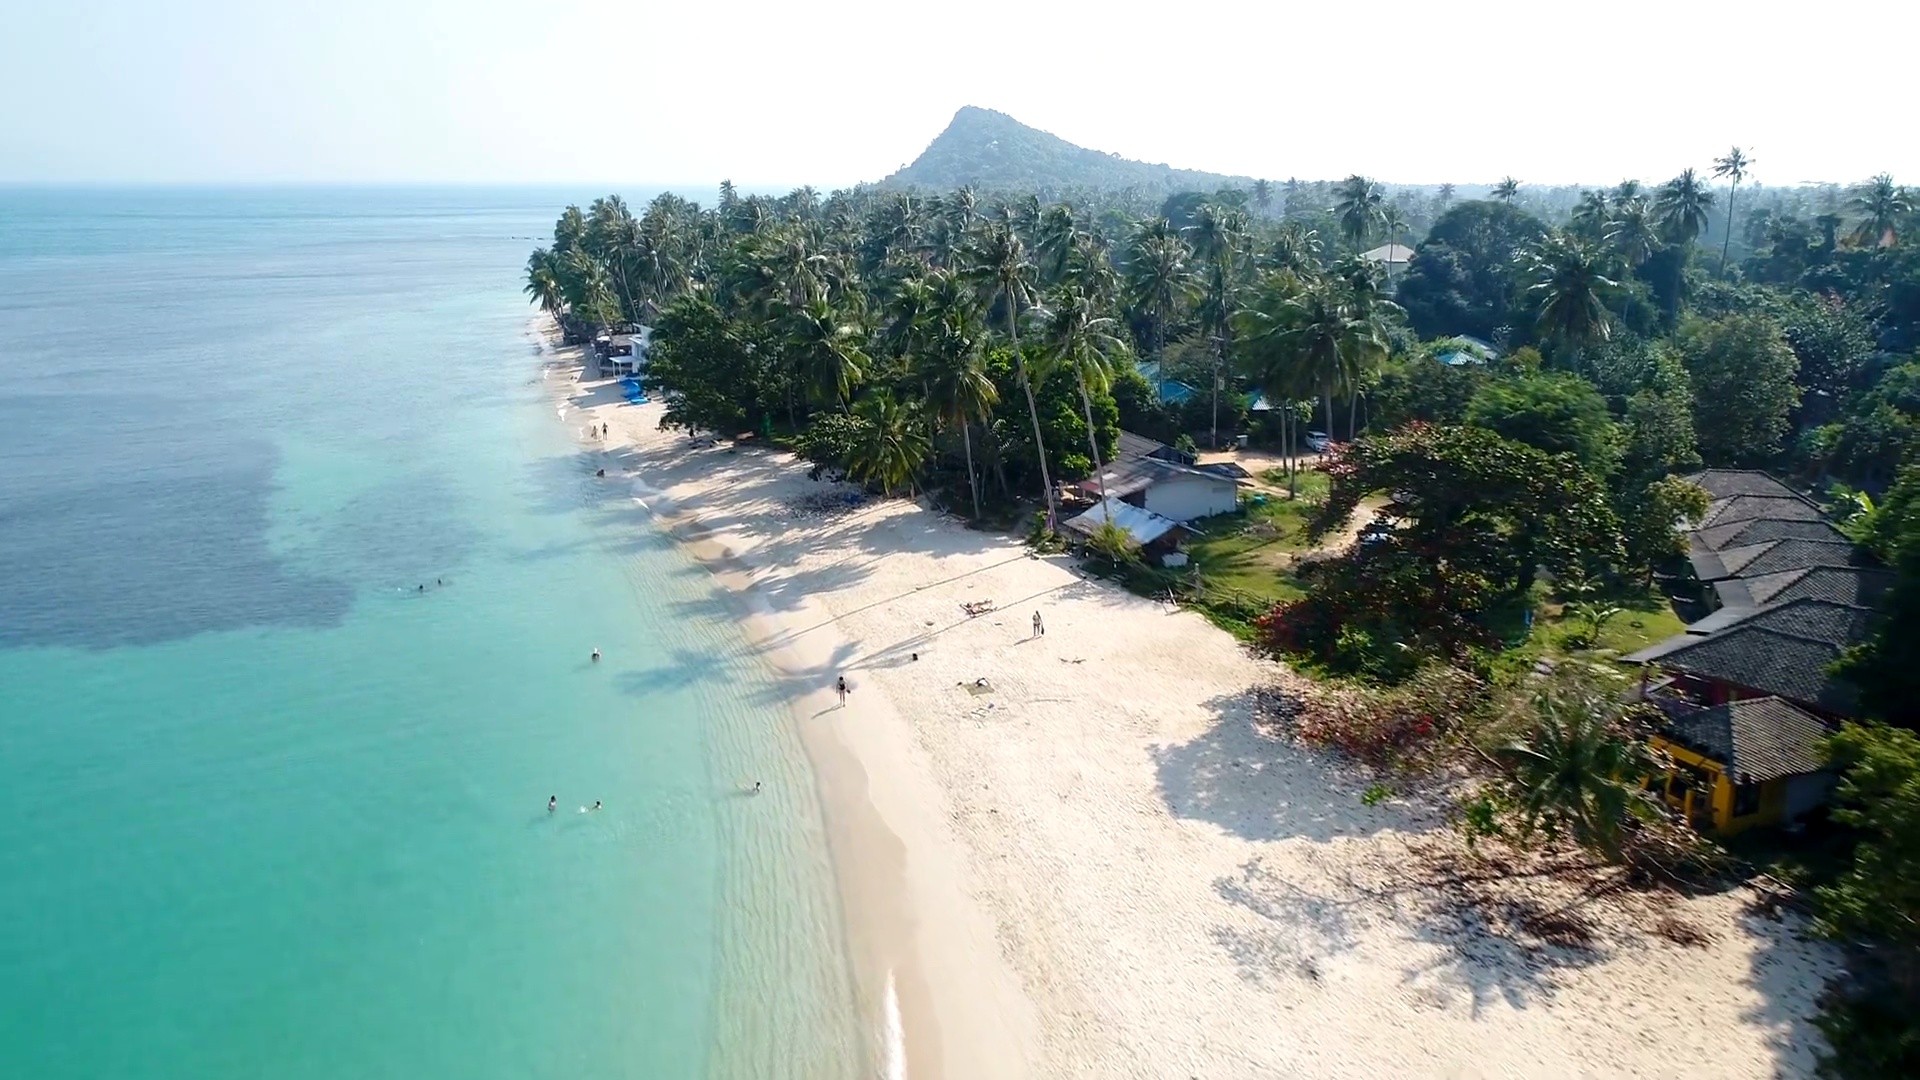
<point x="1470" y="517"/>
<point x="1869" y="1021"/>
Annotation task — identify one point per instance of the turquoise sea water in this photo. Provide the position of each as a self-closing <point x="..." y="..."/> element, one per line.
<point x="269" y="810"/>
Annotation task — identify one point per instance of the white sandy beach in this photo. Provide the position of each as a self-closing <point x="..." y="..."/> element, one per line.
<point x="1100" y="869"/>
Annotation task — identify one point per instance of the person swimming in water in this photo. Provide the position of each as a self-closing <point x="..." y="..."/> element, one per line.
<point x="596" y="804"/>
<point x="553" y="801"/>
<point x="596" y="656"/>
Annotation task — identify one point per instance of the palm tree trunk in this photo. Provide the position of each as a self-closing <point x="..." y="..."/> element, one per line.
<point x="1728" y="239"/>
<point x="1093" y="444"/>
<point x="966" y="436"/>
<point x="1326" y="401"/>
<point x="1216" y="406"/>
<point x="1293" y="455"/>
<point x="1353" y="410"/>
<point x="1033" y="412"/>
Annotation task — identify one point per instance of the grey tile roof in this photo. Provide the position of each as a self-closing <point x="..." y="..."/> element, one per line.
<point x="1756" y="739"/>
<point x="1737" y="508"/>
<point x="1133" y="446"/>
<point x="1761" y="530"/>
<point x="1706" y="564"/>
<point x="1726" y="483"/>
<point x="1851" y="585"/>
<point x="1136" y="446"/>
<point x="1773" y="557"/>
<point x="1839" y="625"/>
<point x="1787" y="555"/>
<point x="1783" y="649"/>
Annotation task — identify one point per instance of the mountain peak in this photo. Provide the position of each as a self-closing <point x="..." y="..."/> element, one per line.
<point x="992" y="151"/>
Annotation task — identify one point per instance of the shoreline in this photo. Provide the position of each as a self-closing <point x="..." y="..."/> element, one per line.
<point x="930" y="1009"/>
<point x="1099" y="867"/>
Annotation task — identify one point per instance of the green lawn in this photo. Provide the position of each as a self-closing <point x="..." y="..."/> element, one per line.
<point x="1252" y="552"/>
<point x="1646" y="617"/>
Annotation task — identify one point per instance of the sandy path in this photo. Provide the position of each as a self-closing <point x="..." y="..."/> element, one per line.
<point x="1099" y="869"/>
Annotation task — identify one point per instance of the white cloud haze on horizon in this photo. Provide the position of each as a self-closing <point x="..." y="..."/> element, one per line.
<point x="849" y="90"/>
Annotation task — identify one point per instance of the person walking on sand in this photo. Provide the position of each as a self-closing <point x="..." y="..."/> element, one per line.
<point x="1039" y="627"/>
<point x="840" y="687"/>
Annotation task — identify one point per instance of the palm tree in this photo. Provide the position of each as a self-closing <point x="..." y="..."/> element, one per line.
<point x="1580" y="770"/>
<point x="1879" y="204"/>
<point x="1682" y="207"/>
<point x="1393" y="222"/>
<point x="1003" y="270"/>
<point x="1159" y="281"/>
<point x="1271" y="356"/>
<point x="1360" y="209"/>
<point x="1444" y="197"/>
<point x="1733" y="167"/>
<point x="825" y="345"/>
<point x="1054" y="242"/>
<point x="1507" y="190"/>
<point x="543" y="285"/>
<point x="1324" y="335"/>
<point x="1592" y="214"/>
<point x="1633" y="234"/>
<point x="1080" y="339"/>
<point x="1368" y="308"/>
<point x="1219" y="239"/>
<point x="953" y="377"/>
<point x="597" y="303"/>
<point x="1262" y="195"/>
<point x="1294" y="247"/>
<point x="893" y="444"/>
<point x="1570" y="287"/>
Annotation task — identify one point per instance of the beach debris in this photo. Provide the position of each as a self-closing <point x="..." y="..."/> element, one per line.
<point x="824" y="504"/>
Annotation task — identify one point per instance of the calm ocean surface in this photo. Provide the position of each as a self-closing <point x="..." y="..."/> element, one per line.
<point x="271" y="812"/>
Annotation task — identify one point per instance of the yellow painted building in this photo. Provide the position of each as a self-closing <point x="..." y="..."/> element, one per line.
<point x="1756" y="761"/>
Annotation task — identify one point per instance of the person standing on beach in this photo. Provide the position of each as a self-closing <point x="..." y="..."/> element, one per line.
<point x="840" y="687"/>
<point x="1039" y="627"/>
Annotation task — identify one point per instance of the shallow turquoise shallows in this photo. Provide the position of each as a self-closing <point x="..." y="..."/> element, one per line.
<point x="269" y="809"/>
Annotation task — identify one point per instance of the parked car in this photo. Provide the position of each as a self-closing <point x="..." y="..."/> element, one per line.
<point x="1318" y="441"/>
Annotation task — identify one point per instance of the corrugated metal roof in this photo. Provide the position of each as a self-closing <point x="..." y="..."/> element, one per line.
<point x="1142" y="525"/>
<point x="1389" y="253"/>
<point x="1137" y="474"/>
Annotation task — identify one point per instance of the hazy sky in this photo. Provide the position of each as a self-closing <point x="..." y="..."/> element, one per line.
<point x="837" y="91"/>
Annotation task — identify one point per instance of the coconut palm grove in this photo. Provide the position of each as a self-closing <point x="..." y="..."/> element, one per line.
<point x="1550" y="410"/>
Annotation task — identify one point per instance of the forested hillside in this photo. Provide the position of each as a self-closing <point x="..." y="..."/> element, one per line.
<point x="992" y="151"/>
